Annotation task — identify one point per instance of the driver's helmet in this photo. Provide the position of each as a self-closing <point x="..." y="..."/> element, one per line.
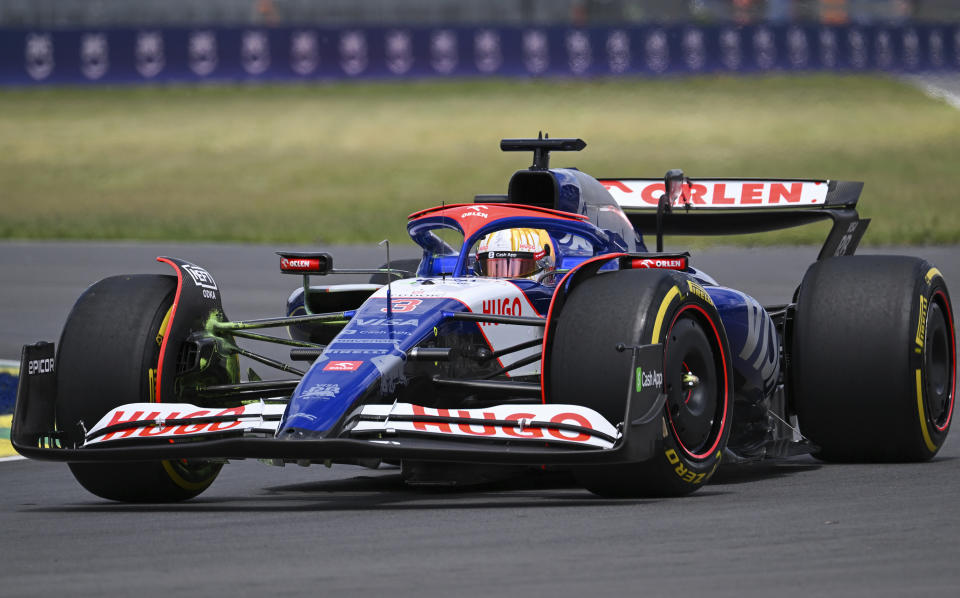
<point x="516" y="253"/>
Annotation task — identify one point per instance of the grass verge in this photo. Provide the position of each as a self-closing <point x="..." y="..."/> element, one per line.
<point x="347" y="162"/>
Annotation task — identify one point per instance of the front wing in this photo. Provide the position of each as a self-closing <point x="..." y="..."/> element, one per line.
<point x="504" y="434"/>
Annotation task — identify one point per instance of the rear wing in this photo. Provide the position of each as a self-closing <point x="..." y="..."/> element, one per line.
<point x="741" y="206"/>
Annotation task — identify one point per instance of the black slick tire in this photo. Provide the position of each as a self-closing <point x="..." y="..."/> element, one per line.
<point x="873" y="364"/>
<point x="638" y="307"/>
<point x="107" y="356"/>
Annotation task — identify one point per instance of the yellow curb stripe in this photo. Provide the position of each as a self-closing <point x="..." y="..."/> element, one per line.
<point x="6" y="449"/>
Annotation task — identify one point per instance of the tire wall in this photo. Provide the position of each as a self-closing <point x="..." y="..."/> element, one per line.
<point x="858" y="354"/>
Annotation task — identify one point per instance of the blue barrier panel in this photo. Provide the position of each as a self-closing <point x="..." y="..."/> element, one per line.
<point x="9" y="372"/>
<point x="319" y="54"/>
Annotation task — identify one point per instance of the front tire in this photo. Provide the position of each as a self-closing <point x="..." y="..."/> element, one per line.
<point x="638" y="307"/>
<point x="874" y="359"/>
<point x="108" y="356"/>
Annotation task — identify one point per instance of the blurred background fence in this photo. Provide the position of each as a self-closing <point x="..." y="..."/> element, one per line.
<point x="154" y="13"/>
<point x="123" y="41"/>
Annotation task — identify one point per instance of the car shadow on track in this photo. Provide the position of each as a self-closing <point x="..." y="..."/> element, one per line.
<point x="764" y="470"/>
<point x="388" y="492"/>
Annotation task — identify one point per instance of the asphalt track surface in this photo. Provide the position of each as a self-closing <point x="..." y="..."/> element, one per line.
<point x="798" y="528"/>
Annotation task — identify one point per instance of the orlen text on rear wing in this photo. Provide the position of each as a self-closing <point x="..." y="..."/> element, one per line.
<point x="741" y="206"/>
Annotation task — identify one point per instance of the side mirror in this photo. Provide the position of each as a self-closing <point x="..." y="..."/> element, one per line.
<point x="305" y="263"/>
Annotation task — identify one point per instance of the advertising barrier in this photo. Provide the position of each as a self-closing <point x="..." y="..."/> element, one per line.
<point x="29" y="57"/>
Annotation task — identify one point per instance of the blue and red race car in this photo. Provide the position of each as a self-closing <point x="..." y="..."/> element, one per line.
<point x="536" y="331"/>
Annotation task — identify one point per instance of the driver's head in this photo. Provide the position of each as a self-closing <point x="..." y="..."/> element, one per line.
<point x="516" y="253"/>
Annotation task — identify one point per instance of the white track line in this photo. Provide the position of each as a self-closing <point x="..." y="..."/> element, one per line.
<point x="938" y="87"/>
<point x="13" y="458"/>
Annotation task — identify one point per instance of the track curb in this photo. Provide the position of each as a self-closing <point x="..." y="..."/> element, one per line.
<point x="9" y="374"/>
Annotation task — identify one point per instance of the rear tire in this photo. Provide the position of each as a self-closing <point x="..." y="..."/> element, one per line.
<point x="874" y="359"/>
<point x="638" y="307"/>
<point x="107" y="356"/>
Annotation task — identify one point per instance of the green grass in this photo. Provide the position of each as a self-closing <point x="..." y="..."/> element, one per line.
<point x="347" y="162"/>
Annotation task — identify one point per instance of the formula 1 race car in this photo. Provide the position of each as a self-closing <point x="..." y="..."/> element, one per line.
<point x="536" y="331"/>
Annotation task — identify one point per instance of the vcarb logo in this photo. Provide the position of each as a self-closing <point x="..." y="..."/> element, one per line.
<point x="255" y="52"/>
<point x="911" y="49"/>
<point x="647" y="379"/>
<point x="399" y="52"/>
<point x="730" y="53"/>
<point x="486" y="51"/>
<point x="443" y="51"/>
<point x="39" y="55"/>
<point x="828" y="48"/>
<point x="304" y="52"/>
<point x="657" y="50"/>
<point x="618" y="51"/>
<point x="857" y="45"/>
<point x="694" y="49"/>
<point x="764" y="48"/>
<point x="956" y="46"/>
<point x="40" y="366"/>
<point x="93" y="55"/>
<point x="935" y="44"/>
<point x="200" y="277"/>
<point x="883" y="49"/>
<point x="578" y="52"/>
<point x="798" y="49"/>
<point x="150" y="58"/>
<point x="353" y="52"/>
<point x="203" y="52"/>
<point x="536" y="55"/>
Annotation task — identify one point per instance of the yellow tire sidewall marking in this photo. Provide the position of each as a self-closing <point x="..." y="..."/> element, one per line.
<point x="923" y="417"/>
<point x="179" y="480"/>
<point x="662" y="312"/>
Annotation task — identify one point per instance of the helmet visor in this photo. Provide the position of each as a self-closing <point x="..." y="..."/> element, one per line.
<point x="508" y="264"/>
